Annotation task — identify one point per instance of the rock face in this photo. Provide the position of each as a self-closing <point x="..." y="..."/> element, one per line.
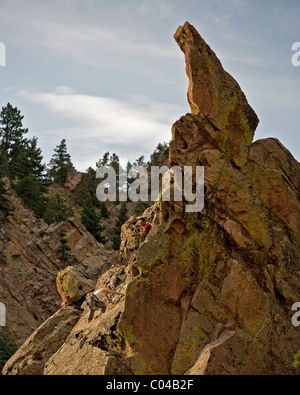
<point x="97" y="347"/>
<point x="30" y="261"/>
<point x="208" y="292"/>
<point x="30" y="359"/>
<point x="215" y="288"/>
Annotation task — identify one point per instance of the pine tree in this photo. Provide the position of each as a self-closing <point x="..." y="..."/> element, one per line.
<point x="88" y="185"/>
<point x="140" y="161"/>
<point x="4" y="202"/>
<point x="8" y="346"/>
<point x="30" y="161"/>
<point x="103" y="210"/>
<point x="30" y="191"/>
<point x="4" y="171"/>
<point x="114" y="162"/>
<point x="104" y="161"/>
<point x="56" y="210"/>
<point x="63" y="247"/>
<point x="160" y="155"/>
<point x="11" y="126"/>
<point x="116" y="234"/>
<point x="29" y="173"/>
<point x="21" y="159"/>
<point x="91" y="220"/>
<point x="60" y="164"/>
<point x="11" y="135"/>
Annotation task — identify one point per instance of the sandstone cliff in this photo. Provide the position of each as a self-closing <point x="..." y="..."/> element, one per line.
<point x="208" y="292"/>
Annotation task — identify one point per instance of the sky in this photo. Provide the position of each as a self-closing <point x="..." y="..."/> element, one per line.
<point x="108" y="75"/>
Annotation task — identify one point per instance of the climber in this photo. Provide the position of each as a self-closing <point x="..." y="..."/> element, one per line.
<point x="145" y="229"/>
<point x="95" y="299"/>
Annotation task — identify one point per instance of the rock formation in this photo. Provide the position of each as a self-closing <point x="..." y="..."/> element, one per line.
<point x="30" y="261"/>
<point x="31" y="357"/>
<point x="215" y="289"/>
<point x="208" y="292"/>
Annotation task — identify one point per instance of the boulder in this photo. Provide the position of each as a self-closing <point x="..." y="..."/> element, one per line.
<point x="73" y="286"/>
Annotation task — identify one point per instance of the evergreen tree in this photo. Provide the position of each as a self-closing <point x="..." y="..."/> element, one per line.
<point x="104" y="161"/>
<point x="63" y="247"/>
<point x="8" y="346"/>
<point x="4" y="172"/>
<point x="30" y="161"/>
<point x="60" y="164"/>
<point x="16" y="154"/>
<point x="114" y="162"/>
<point x="56" y="210"/>
<point x="160" y="155"/>
<point x="140" y="161"/>
<point x="30" y="191"/>
<point x="4" y="202"/>
<point x="130" y="167"/>
<point x="21" y="159"/>
<point x="91" y="220"/>
<point x="11" y="135"/>
<point x="29" y="172"/>
<point x="103" y="210"/>
<point x="11" y="127"/>
<point x="116" y="233"/>
<point x="87" y="185"/>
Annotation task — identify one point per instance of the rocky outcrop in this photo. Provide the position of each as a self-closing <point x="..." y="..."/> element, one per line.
<point x="31" y="357"/>
<point x="207" y="292"/>
<point x="216" y="97"/>
<point x="97" y="347"/>
<point x="235" y="265"/>
<point x="73" y="286"/>
<point x="30" y="260"/>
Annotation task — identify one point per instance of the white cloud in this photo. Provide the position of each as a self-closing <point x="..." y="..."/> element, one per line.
<point x="70" y="34"/>
<point x="96" y="124"/>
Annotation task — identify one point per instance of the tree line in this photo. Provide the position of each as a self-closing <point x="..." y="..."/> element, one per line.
<point x="21" y="161"/>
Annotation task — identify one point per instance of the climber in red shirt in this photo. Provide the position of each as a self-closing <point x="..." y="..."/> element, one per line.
<point x="145" y="229"/>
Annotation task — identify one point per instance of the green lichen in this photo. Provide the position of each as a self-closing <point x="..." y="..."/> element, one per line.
<point x="297" y="360"/>
<point x="192" y="339"/>
<point x="198" y="252"/>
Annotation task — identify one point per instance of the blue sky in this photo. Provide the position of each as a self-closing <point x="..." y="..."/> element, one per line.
<point x="108" y="75"/>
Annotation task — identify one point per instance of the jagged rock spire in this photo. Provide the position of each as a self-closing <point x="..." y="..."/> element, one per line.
<point x="216" y="96"/>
